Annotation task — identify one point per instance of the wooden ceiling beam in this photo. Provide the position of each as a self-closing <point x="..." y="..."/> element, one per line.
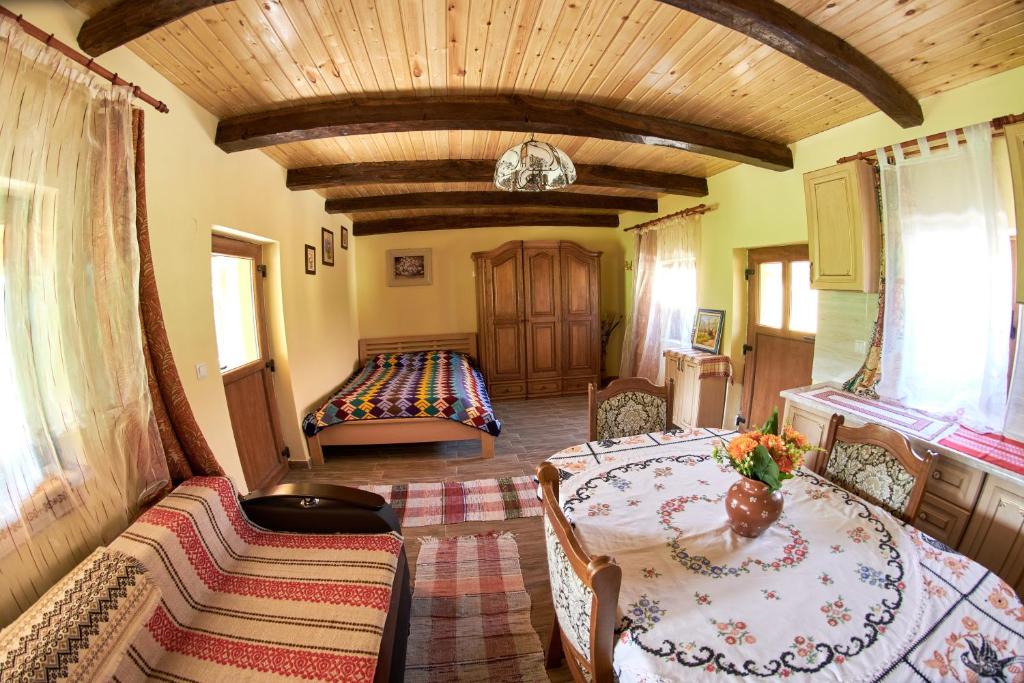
<point x="124" y="21"/>
<point x="517" y="113"/>
<point x="784" y="30"/>
<point x="486" y="199"/>
<point x="387" y="226"/>
<point x="482" y="170"/>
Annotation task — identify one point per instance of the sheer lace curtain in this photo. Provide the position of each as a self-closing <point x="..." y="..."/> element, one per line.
<point x="80" y="442"/>
<point x="947" y="298"/>
<point x="664" y="295"/>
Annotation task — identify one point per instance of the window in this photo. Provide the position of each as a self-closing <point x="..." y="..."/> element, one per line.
<point x="785" y="300"/>
<point x="803" y="301"/>
<point x="234" y="311"/>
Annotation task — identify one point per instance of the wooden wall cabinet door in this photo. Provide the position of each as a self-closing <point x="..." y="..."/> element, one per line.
<point x="542" y="287"/>
<point x="843" y="227"/>
<point x="995" y="535"/>
<point x="1015" y="143"/>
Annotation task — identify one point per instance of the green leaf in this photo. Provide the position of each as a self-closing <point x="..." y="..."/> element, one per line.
<point x="772" y="425"/>
<point x="764" y="468"/>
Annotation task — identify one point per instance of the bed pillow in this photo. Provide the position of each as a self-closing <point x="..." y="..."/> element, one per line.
<point x="401" y="360"/>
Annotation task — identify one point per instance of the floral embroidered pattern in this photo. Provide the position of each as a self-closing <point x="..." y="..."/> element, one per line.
<point x="733" y="632"/>
<point x="572" y="599"/>
<point x="702" y="598"/>
<point x="836" y="549"/>
<point x="769" y="594"/>
<point x="825" y="579"/>
<point x="858" y="535"/>
<point x="630" y="413"/>
<point x="1005" y="600"/>
<point x="985" y="658"/>
<point x="645" y="612"/>
<point x="871" y="472"/>
<point x="836" y="612"/>
<point x="870" y="575"/>
<point x="650" y="573"/>
<point x="663" y="471"/>
<point x="598" y="510"/>
<point x="804" y="648"/>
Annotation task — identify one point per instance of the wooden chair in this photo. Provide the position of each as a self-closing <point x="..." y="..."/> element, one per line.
<point x="584" y="593"/>
<point x="876" y="463"/>
<point x="629" y="406"/>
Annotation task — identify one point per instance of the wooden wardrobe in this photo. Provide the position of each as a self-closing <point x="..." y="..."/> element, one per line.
<point x="539" y="318"/>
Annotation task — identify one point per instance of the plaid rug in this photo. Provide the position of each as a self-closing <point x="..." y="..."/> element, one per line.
<point x="471" y="614"/>
<point x="452" y="502"/>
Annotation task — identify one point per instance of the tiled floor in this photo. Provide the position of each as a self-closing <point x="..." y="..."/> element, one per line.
<point x="532" y="430"/>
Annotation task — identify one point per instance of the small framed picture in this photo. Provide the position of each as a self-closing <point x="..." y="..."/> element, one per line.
<point x="326" y="247"/>
<point x="344" y="237"/>
<point x="310" y="259"/>
<point x="409" y="267"/>
<point x="707" y="330"/>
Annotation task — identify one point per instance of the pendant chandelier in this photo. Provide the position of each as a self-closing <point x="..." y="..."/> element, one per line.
<point x="534" y="166"/>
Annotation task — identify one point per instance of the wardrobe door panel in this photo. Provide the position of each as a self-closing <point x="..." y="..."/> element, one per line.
<point x="581" y="324"/>
<point x="543" y="307"/>
<point x="501" y="310"/>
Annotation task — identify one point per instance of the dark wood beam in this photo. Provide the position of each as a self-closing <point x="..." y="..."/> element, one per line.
<point x="502" y="112"/>
<point x="124" y="21"/>
<point x="499" y="220"/>
<point x="783" y="29"/>
<point x="482" y="170"/>
<point x="471" y="200"/>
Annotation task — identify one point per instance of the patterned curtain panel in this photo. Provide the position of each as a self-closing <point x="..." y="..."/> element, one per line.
<point x="187" y="452"/>
<point x="81" y="447"/>
<point x="664" y="296"/>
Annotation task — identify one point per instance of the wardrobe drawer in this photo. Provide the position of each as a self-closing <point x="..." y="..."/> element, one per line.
<point x="507" y="390"/>
<point x="941" y="520"/>
<point x="577" y="385"/>
<point x="544" y="387"/>
<point x="955" y="482"/>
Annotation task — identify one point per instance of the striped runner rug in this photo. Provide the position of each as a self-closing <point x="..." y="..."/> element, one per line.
<point x="452" y="502"/>
<point x="471" y="614"/>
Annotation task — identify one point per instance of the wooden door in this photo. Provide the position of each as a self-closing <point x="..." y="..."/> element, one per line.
<point x="541" y="285"/>
<point x="782" y="321"/>
<point x="502" y="317"/>
<point x="244" y="354"/>
<point x="581" y="317"/>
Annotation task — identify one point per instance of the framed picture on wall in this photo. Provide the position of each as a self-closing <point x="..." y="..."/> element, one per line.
<point x="326" y="247"/>
<point x="409" y="267"/>
<point x="310" y="259"/>
<point x="707" y="330"/>
<point x="344" y="237"/>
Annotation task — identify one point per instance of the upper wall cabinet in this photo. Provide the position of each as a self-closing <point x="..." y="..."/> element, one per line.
<point x="1015" y="143"/>
<point x="843" y="228"/>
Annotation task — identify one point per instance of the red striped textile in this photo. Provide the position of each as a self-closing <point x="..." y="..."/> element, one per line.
<point x="453" y="502"/>
<point x="241" y="603"/>
<point x="993" y="448"/>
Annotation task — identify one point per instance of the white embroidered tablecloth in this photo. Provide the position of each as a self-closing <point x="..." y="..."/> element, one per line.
<point x="835" y="590"/>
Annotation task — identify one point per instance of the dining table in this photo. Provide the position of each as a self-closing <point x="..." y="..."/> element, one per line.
<point x="836" y="589"/>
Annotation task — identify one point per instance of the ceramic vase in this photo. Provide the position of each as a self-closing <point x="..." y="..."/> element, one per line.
<point x="751" y="507"/>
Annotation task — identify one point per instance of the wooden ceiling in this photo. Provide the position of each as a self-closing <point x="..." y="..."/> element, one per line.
<point x="642" y="58"/>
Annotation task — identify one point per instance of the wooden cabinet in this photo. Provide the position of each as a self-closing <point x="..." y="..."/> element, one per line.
<point x="995" y="536"/>
<point x="1015" y="144"/>
<point x="812" y="425"/>
<point x="843" y="228"/>
<point x="699" y="400"/>
<point x="538" y="316"/>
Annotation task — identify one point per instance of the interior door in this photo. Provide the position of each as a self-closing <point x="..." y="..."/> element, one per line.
<point x="782" y="321"/>
<point x="243" y="351"/>
<point x="543" y="318"/>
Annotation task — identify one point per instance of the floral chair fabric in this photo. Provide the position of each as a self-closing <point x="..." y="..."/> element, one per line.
<point x="573" y="600"/>
<point x="871" y="472"/>
<point x="630" y="413"/>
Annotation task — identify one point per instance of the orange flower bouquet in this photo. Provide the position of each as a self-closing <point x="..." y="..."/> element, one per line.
<point x="770" y="455"/>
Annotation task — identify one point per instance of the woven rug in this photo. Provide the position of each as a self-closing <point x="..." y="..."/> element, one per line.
<point x="471" y="614"/>
<point x="452" y="502"/>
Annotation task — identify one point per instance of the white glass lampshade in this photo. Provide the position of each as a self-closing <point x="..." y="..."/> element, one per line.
<point x="534" y="166"/>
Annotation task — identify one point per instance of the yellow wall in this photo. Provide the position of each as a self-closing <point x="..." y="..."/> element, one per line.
<point x="759" y="208"/>
<point x="449" y="304"/>
<point x="192" y="187"/>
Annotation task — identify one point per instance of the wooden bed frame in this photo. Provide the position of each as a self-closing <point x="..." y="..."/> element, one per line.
<point x="403" y="429"/>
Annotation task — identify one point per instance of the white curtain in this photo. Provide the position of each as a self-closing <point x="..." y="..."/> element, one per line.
<point x="947" y="302"/>
<point x="664" y="295"/>
<point x="80" y="442"/>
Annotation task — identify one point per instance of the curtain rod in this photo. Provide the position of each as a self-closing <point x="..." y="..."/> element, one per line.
<point x="73" y="54"/>
<point x="692" y="211"/>
<point x="997" y="124"/>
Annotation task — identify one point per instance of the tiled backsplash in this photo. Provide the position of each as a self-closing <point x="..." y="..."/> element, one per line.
<point x="845" y="323"/>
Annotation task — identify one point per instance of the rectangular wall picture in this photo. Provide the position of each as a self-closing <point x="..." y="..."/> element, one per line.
<point x="310" y="259"/>
<point x="344" y="237"/>
<point x="409" y="267"/>
<point x="326" y="247"/>
<point x="707" y="330"/>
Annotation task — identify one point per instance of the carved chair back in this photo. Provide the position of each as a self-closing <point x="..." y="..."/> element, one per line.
<point x="629" y="406"/>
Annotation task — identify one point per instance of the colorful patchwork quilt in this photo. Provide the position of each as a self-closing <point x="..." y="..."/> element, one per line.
<point x="439" y="384"/>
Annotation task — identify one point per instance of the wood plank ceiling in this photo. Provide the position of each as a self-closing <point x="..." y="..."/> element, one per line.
<point x="639" y="56"/>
